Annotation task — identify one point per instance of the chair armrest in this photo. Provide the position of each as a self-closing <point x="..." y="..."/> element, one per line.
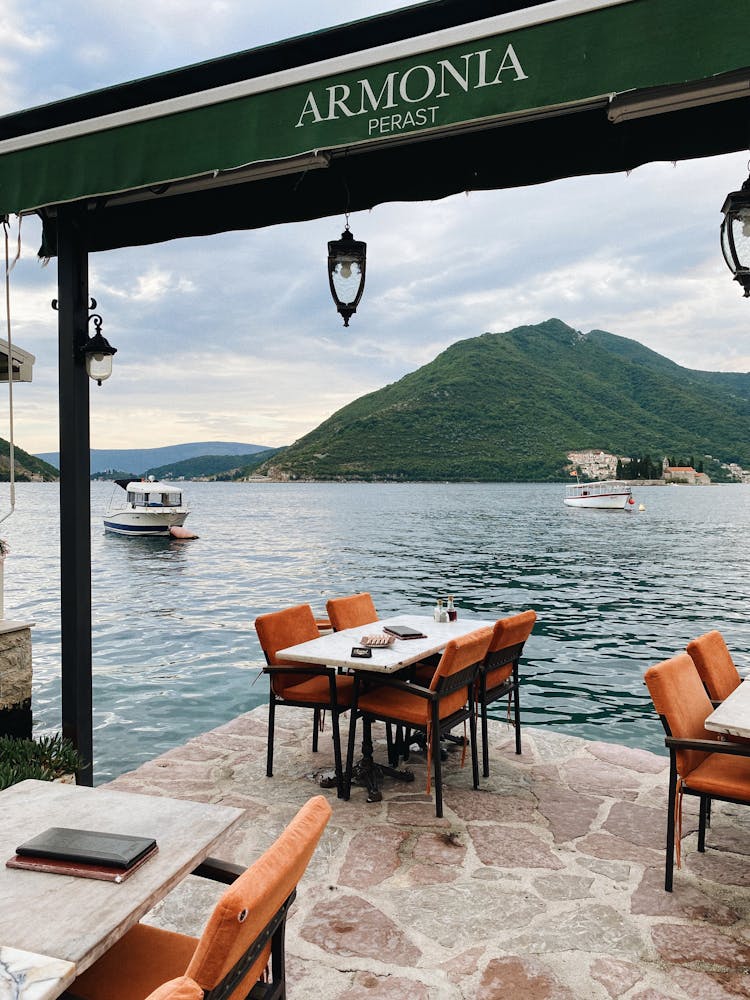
<point x="298" y="668"/>
<point x="218" y="870"/>
<point x="393" y="682"/>
<point x="709" y="746"/>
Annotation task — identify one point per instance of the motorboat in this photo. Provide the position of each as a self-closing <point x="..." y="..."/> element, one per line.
<point x="609" y="494"/>
<point x="148" y="508"/>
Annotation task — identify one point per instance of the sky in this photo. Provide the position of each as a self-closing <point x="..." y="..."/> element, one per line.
<point x="235" y="337"/>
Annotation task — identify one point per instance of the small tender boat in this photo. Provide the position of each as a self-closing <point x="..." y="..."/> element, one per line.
<point x="606" y="495"/>
<point x="149" y="508"/>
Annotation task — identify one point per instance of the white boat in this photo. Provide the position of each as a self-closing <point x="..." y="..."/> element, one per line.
<point x="606" y="495"/>
<point x="148" y="508"/>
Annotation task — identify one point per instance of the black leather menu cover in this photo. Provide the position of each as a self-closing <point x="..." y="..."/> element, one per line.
<point x="404" y="632"/>
<point x="90" y="846"/>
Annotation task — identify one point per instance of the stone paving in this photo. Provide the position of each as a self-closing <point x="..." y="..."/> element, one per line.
<point x="546" y="884"/>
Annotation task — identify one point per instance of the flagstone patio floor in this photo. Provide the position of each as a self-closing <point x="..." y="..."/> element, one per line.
<point x="546" y="884"/>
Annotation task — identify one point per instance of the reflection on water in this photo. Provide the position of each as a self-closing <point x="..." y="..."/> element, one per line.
<point x="174" y="648"/>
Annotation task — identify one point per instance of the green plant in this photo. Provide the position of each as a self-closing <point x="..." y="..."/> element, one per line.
<point x="46" y="758"/>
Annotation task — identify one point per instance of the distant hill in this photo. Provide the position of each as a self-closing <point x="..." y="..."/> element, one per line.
<point x="508" y="406"/>
<point x="212" y="466"/>
<point x="138" y="460"/>
<point x="27" y="467"/>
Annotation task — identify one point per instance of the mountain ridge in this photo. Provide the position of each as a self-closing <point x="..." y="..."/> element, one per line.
<point x="138" y="460"/>
<point x="509" y="406"/>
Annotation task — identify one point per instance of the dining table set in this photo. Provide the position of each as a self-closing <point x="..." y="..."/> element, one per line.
<point x="424" y="677"/>
<point x="343" y="651"/>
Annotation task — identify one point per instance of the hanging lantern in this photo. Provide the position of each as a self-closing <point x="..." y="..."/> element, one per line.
<point x="98" y="353"/>
<point x="735" y="235"/>
<point x="346" y="272"/>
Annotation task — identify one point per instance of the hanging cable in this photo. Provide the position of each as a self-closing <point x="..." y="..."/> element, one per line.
<point x="11" y="439"/>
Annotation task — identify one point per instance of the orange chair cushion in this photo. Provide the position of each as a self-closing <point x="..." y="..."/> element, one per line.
<point x="722" y="775"/>
<point x="178" y="989"/>
<point x="714" y="664"/>
<point x="281" y="629"/>
<point x="511" y="631"/>
<point x="678" y="694"/>
<point x="498" y="676"/>
<point x="316" y="689"/>
<point x="136" y="965"/>
<point x="248" y="904"/>
<point x="349" y="612"/>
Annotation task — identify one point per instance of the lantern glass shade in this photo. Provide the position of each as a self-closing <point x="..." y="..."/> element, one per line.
<point x="347" y="258"/>
<point x="99" y="353"/>
<point x="735" y="235"/>
<point x="99" y="367"/>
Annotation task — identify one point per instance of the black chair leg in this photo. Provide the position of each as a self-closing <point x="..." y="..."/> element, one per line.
<point x="517" y="709"/>
<point x="485" y="741"/>
<point x="474" y="752"/>
<point x="669" y="867"/>
<point x="271" y="720"/>
<point x="316" y="726"/>
<point x="437" y="764"/>
<point x="347" y="785"/>
<point x="337" y="754"/>
<point x="704" y="801"/>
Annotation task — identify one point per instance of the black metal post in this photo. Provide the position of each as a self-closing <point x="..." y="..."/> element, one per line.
<point x="75" y="502"/>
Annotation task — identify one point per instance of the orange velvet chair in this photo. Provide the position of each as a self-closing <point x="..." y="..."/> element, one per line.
<point x="306" y="686"/>
<point x="181" y="988"/>
<point x="244" y="934"/>
<point x="349" y="612"/>
<point x="699" y="762"/>
<point x="715" y="665"/>
<point x="498" y="675"/>
<point x="433" y="710"/>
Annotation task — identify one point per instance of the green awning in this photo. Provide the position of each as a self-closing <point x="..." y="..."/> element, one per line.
<point x="601" y="62"/>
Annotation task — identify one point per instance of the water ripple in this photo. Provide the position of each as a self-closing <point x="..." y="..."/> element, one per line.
<point x="175" y="652"/>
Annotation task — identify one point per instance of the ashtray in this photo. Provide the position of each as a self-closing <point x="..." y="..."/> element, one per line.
<point x="377" y="639"/>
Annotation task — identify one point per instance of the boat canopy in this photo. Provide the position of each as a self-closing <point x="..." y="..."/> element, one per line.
<point x="416" y="104"/>
<point x="147" y="486"/>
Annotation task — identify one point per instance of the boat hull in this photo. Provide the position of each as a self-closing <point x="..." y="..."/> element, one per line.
<point x="143" y="523"/>
<point x="610" y="501"/>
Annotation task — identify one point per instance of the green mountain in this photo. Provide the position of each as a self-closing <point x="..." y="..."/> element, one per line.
<point x="508" y="406"/>
<point x="212" y="466"/>
<point x="28" y="468"/>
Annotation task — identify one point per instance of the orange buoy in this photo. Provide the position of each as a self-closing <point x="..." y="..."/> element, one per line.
<point x="176" y="531"/>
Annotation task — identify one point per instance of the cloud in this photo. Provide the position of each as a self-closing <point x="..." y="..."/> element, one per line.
<point x="235" y="336"/>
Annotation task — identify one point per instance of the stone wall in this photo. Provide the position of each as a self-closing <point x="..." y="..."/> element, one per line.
<point x="15" y="680"/>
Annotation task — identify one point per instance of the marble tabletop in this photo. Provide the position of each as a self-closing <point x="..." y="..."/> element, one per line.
<point x="335" y="649"/>
<point x="52" y="927"/>
<point x="732" y="717"/>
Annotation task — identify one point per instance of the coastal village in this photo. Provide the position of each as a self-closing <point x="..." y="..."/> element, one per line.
<point x="597" y="464"/>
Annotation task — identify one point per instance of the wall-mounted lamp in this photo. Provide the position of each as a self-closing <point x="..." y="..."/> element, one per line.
<point x="347" y="259"/>
<point x="735" y="235"/>
<point x="97" y="352"/>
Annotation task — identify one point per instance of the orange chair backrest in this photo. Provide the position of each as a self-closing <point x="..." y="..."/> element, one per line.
<point x="458" y="654"/>
<point x="248" y="905"/>
<point x="349" y="612"/>
<point x="679" y="696"/>
<point x="281" y="629"/>
<point x="177" y="989"/>
<point x="715" y="665"/>
<point x="511" y="631"/>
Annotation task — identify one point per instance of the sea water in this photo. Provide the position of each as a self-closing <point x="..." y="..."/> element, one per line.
<point x="175" y="652"/>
